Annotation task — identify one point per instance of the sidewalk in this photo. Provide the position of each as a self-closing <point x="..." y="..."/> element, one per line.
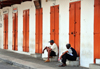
<point x="29" y="62"/>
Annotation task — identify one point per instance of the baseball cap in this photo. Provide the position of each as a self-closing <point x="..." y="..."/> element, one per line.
<point x="51" y="41"/>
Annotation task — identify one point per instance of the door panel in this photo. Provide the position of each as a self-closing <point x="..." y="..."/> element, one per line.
<point x="74" y="26"/>
<point x="96" y="29"/>
<point x="26" y="30"/>
<point x="13" y="42"/>
<point x="52" y="21"/>
<point x="97" y="45"/>
<point x="71" y="24"/>
<point x="38" y="47"/>
<point x="37" y="31"/>
<point x="6" y="31"/>
<point x="77" y="28"/>
<point x="15" y="32"/>
<point x="97" y="18"/>
<point x="40" y="40"/>
<point x="54" y="24"/>
<point x="24" y="34"/>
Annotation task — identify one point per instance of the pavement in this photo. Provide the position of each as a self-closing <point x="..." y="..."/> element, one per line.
<point x="29" y="62"/>
<point x="4" y="65"/>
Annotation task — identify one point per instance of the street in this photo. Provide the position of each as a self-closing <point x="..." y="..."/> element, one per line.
<point x="4" y="65"/>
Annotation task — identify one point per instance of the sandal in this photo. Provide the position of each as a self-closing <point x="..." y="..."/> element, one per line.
<point x="47" y="61"/>
<point x="63" y="65"/>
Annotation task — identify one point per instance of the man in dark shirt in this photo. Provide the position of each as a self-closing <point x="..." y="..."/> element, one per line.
<point x="70" y="54"/>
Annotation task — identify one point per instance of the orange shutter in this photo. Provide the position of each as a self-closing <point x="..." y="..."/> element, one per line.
<point x="24" y="34"/>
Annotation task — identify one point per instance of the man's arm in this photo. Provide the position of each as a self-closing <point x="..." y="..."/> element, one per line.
<point x="63" y="54"/>
<point x="48" y="48"/>
<point x="44" y="49"/>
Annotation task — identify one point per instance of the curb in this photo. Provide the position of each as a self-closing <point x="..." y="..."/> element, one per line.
<point x="16" y="64"/>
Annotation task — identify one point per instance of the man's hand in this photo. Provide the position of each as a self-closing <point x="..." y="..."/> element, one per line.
<point x="60" y="57"/>
<point x="63" y="54"/>
<point x="43" y="51"/>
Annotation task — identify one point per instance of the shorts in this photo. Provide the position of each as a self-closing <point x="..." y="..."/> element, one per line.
<point x="52" y="53"/>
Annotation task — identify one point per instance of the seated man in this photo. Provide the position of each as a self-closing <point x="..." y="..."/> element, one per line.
<point x="70" y="54"/>
<point x="52" y="50"/>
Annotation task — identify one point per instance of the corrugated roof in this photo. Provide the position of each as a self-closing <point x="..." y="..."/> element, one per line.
<point x="4" y="3"/>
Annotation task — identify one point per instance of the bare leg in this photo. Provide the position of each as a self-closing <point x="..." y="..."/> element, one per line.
<point x="44" y="49"/>
<point x="49" y="51"/>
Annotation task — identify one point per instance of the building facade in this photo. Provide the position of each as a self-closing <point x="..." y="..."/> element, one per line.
<point x="25" y="29"/>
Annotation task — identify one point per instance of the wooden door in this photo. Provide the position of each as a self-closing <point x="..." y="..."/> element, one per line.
<point x="5" y="31"/>
<point x="26" y="30"/>
<point x="54" y="24"/>
<point x="74" y="26"/>
<point x="15" y="32"/>
<point x="38" y="43"/>
<point x="96" y="30"/>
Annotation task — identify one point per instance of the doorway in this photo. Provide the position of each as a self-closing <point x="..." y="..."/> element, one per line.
<point x="5" y="31"/>
<point x="74" y="26"/>
<point x="38" y="44"/>
<point x="26" y="30"/>
<point x="54" y="24"/>
<point x="15" y="31"/>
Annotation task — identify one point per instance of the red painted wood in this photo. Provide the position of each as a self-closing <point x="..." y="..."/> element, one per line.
<point x="37" y="31"/>
<point x="15" y="32"/>
<point x="77" y="28"/>
<point x="38" y="47"/>
<point x="96" y="29"/>
<point x="74" y="26"/>
<point x="26" y="30"/>
<point x="24" y="34"/>
<point x="54" y="24"/>
<point x="71" y="24"/>
<point x="40" y="34"/>
<point x="5" y="31"/>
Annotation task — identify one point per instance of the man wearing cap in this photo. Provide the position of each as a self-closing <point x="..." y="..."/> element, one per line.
<point x="52" y="50"/>
<point x="70" y="54"/>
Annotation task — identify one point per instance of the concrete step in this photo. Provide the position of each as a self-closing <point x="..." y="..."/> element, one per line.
<point x="72" y="63"/>
<point x="36" y="55"/>
<point x="94" y="66"/>
<point x="54" y="58"/>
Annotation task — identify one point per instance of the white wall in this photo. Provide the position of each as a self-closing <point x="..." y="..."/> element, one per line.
<point x="87" y="27"/>
<point x="1" y="30"/>
<point x="10" y="26"/>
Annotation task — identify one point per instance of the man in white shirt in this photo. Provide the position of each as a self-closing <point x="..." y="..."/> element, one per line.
<point x="70" y="54"/>
<point x="52" y="50"/>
